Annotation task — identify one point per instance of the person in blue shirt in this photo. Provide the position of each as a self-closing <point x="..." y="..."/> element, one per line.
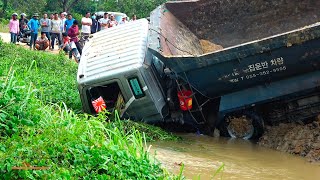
<point x="69" y="22"/>
<point x="34" y="26"/>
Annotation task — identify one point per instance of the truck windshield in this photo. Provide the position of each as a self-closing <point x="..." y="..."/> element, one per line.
<point x="111" y="96"/>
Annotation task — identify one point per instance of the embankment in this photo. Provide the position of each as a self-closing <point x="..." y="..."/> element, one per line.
<point x="44" y="135"/>
<point x="302" y="140"/>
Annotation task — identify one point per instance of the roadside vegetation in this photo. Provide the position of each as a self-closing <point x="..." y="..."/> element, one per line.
<point x="78" y="8"/>
<point x="4" y="25"/>
<point x="44" y="135"/>
<point x="141" y="8"/>
<point x="53" y="76"/>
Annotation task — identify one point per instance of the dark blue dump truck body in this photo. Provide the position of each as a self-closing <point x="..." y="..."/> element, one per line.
<point x="264" y="66"/>
<point x="283" y="57"/>
<point x="251" y="64"/>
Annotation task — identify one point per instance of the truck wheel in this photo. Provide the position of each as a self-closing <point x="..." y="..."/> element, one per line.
<point x="247" y="125"/>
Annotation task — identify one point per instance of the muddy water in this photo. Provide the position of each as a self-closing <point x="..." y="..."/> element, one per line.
<point x="203" y="155"/>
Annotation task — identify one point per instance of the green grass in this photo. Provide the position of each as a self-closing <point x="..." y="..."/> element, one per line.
<point x="53" y="76"/>
<point x="153" y="133"/>
<point x="38" y="129"/>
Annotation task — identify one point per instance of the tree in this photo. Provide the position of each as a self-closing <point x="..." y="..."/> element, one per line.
<point x="4" y="7"/>
<point x="141" y="8"/>
<point x="75" y="6"/>
<point x="68" y="4"/>
<point x="27" y="6"/>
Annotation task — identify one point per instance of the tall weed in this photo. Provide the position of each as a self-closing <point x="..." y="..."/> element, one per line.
<point x="4" y="27"/>
<point x="15" y="98"/>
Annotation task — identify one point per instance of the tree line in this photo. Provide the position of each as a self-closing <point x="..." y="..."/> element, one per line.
<point x="141" y="8"/>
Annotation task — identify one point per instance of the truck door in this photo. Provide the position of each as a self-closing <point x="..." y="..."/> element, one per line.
<point x="109" y="93"/>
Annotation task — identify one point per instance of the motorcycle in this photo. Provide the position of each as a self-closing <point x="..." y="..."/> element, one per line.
<point x="24" y="35"/>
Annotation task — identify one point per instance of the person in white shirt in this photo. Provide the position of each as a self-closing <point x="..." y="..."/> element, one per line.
<point x="86" y="26"/>
<point x="124" y="20"/>
<point x="63" y="21"/>
<point x="42" y="42"/>
<point x="104" y="21"/>
<point x="55" y="30"/>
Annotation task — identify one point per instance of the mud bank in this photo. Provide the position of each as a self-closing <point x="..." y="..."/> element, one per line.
<point x="302" y="140"/>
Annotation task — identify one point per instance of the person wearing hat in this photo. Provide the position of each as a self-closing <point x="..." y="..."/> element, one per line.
<point x="14" y="28"/>
<point x="112" y="22"/>
<point x="23" y="22"/>
<point x="124" y="20"/>
<point x="34" y="26"/>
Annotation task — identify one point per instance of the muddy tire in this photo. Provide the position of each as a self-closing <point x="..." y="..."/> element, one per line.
<point x="254" y="131"/>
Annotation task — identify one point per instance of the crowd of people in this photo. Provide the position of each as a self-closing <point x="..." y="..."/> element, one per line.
<point x="61" y="28"/>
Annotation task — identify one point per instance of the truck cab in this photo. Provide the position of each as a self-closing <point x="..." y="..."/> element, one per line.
<point x="115" y="66"/>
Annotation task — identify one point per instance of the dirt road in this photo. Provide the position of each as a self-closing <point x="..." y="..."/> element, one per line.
<point x="5" y="37"/>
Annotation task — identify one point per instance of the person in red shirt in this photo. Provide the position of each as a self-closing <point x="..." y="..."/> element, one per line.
<point x="73" y="33"/>
<point x="66" y="43"/>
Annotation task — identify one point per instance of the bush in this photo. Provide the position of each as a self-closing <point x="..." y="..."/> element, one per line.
<point x="4" y="25"/>
<point x="4" y="21"/>
<point x="77" y="17"/>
